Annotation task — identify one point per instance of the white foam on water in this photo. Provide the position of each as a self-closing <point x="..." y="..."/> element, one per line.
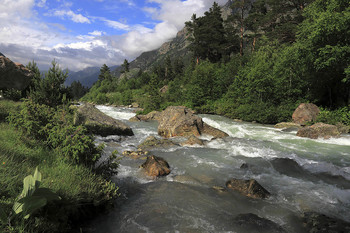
<point x="116" y="113"/>
<point x="199" y="160"/>
<point x="134" y="173"/>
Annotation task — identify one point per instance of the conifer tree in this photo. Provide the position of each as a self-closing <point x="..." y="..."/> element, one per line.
<point x="125" y="66"/>
<point x="105" y="72"/>
<point x="209" y="39"/>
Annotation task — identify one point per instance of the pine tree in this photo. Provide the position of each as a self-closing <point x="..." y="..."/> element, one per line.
<point x="105" y="73"/>
<point x="125" y="66"/>
<point x="50" y="90"/>
<point x="209" y="39"/>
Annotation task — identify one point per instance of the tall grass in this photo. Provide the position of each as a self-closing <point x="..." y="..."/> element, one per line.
<point x="80" y="189"/>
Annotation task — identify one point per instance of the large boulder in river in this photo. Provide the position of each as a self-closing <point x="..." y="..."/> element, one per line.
<point x="152" y="142"/>
<point x="156" y="166"/>
<point x="99" y="123"/>
<point x="14" y="75"/>
<point x="249" y="188"/>
<point x="319" y="130"/>
<point x="305" y="112"/>
<point x="181" y="121"/>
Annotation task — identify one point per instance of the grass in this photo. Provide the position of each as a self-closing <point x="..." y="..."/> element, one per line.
<point x="81" y="190"/>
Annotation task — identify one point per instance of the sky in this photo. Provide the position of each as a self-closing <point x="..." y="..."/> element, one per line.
<point x="85" y="33"/>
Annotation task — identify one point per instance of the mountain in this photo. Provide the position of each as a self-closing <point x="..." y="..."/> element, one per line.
<point x="176" y="48"/>
<point x="87" y="77"/>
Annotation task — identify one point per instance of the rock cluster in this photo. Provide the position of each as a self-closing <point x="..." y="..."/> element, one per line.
<point x="99" y="123"/>
<point x="135" y="154"/>
<point x="13" y="75"/>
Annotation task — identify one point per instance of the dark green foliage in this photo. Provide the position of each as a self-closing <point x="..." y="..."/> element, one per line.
<point x="324" y="37"/>
<point x="125" y="66"/>
<point x="209" y="39"/>
<point x="56" y="130"/>
<point x="77" y="90"/>
<point x="12" y="94"/>
<point x="50" y="90"/>
<point x="340" y="115"/>
<point x="105" y="73"/>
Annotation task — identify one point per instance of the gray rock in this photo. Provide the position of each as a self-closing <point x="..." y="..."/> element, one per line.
<point x="99" y="123"/>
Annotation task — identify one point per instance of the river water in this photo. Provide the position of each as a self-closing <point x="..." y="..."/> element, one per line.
<point x="301" y="174"/>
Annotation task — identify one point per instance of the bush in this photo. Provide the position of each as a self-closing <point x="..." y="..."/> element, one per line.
<point x="55" y="128"/>
<point x="340" y="115"/>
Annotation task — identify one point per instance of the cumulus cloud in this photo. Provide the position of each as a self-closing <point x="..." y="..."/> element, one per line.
<point x="24" y="38"/>
<point x="77" y="18"/>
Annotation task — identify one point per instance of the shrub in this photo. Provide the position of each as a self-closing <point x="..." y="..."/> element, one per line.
<point x="340" y="115"/>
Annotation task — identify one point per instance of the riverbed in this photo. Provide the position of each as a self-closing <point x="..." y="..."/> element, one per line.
<point x="302" y="175"/>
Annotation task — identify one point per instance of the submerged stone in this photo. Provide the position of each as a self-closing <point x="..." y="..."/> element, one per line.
<point x="320" y="223"/>
<point x="253" y="223"/>
<point x="152" y="142"/>
<point x="250" y="188"/>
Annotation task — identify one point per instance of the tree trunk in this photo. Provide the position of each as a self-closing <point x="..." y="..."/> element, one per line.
<point x="254" y="42"/>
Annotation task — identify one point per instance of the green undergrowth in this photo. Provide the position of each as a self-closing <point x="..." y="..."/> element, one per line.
<point x="82" y="191"/>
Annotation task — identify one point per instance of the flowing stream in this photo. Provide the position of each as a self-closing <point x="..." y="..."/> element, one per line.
<point x="301" y="174"/>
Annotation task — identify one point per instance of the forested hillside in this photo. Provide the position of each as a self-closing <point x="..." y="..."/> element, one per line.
<point x="257" y="65"/>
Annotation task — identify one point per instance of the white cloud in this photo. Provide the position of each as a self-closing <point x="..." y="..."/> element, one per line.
<point x="16" y="9"/>
<point x="41" y="3"/>
<point x="96" y="33"/>
<point x="116" y="24"/>
<point x="77" y="18"/>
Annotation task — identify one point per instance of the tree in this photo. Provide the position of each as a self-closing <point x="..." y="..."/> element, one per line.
<point x="209" y="39"/>
<point x="77" y="90"/>
<point x="169" y="74"/>
<point x="125" y="66"/>
<point x="240" y="10"/>
<point x="50" y="90"/>
<point x="324" y="36"/>
<point x="105" y="73"/>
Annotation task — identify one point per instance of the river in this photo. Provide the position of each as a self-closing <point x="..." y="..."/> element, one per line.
<point x="301" y="174"/>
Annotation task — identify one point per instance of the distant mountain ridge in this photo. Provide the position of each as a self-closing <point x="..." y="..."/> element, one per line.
<point x="87" y="77"/>
<point x="177" y="47"/>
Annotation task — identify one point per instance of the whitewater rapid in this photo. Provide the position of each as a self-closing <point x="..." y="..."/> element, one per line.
<point x="185" y="201"/>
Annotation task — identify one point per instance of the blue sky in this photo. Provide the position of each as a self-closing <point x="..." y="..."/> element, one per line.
<point x="86" y="33"/>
